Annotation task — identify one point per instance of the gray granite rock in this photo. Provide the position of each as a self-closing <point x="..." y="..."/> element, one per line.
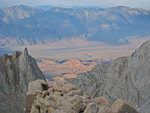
<point x="16" y="71"/>
<point x="53" y="100"/>
<point x="120" y="106"/>
<point x="127" y="78"/>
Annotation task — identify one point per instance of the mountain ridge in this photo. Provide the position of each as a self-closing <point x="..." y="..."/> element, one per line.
<point x="126" y="78"/>
<point x="27" y="23"/>
<point x="16" y="71"/>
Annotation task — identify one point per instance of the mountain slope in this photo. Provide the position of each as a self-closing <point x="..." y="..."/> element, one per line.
<point x="126" y="78"/>
<point x="12" y="14"/>
<point x="16" y="71"/>
<point x="30" y="26"/>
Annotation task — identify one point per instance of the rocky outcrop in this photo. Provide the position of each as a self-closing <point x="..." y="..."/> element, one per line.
<point x="120" y="106"/>
<point x="126" y="78"/>
<point x="66" y="98"/>
<point x="16" y="71"/>
<point x="34" y="88"/>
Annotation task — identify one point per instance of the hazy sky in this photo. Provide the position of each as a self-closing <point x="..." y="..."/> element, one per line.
<point x="101" y="3"/>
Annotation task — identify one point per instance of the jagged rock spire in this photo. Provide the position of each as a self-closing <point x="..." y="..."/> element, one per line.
<point x="16" y="71"/>
<point x="26" y="52"/>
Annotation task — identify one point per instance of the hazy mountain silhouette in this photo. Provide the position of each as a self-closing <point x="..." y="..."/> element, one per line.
<point x="28" y="26"/>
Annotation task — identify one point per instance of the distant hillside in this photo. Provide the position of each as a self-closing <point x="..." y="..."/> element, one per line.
<point x="24" y="25"/>
<point x="54" y="69"/>
<point x="61" y="69"/>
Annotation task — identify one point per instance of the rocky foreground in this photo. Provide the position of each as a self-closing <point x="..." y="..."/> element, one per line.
<point x="66" y="98"/>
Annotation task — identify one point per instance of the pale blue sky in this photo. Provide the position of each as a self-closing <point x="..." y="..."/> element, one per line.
<point x="101" y="3"/>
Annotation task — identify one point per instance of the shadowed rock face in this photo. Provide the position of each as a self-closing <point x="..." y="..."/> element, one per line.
<point x="127" y="78"/>
<point x="16" y="71"/>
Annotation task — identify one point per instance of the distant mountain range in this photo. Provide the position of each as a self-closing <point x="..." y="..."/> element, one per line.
<point x="24" y="25"/>
<point x="46" y="7"/>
